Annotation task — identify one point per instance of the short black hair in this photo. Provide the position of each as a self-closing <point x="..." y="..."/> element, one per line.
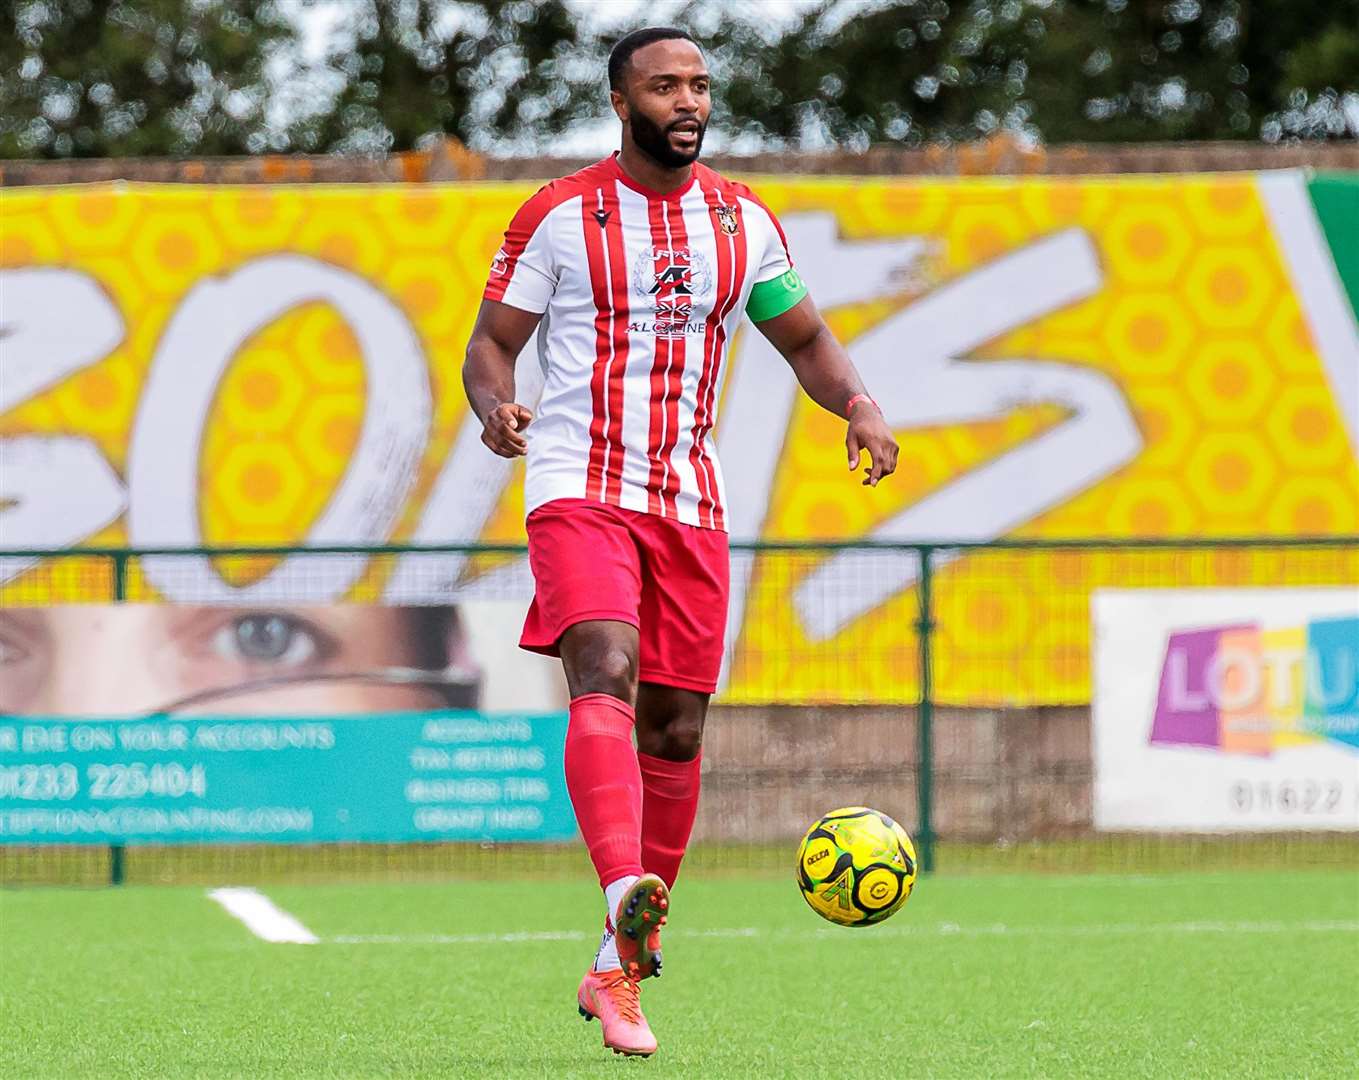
<point x="640" y="39"/>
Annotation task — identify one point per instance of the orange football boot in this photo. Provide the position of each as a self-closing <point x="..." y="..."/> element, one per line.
<point x="615" y="1000"/>
<point x="637" y="923"/>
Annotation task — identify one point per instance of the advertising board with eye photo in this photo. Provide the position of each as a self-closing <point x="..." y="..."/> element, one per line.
<point x="189" y="724"/>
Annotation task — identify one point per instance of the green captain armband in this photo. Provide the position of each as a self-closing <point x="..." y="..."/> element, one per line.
<point x="771" y="298"/>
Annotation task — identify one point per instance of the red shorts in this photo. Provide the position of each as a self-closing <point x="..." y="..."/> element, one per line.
<point x="670" y="580"/>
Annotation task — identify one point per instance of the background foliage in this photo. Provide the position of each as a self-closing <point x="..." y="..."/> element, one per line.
<point x="127" y="77"/>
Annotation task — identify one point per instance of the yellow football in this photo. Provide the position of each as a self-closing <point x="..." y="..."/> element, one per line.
<point x="856" y="866"/>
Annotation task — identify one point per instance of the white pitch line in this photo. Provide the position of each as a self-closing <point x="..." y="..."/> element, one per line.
<point x="462" y="939"/>
<point x="939" y="930"/>
<point x="262" y="917"/>
<point x="1116" y="929"/>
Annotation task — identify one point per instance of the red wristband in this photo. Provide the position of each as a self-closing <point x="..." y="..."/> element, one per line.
<point x="858" y="398"/>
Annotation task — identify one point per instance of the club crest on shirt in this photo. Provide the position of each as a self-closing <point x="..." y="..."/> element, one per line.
<point x="727" y="219"/>
<point x="668" y="272"/>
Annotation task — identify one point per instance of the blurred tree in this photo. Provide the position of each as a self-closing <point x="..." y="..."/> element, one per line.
<point x="106" y="78"/>
<point x="111" y="77"/>
<point x="1064" y="70"/>
<point x="1192" y="69"/>
<point x="899" y="72"/>
<point x="480" y="70"/>
<point x="1302" y="61"/>
<point x="1127" y="70"/>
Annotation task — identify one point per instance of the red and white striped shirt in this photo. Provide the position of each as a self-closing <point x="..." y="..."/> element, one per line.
<point x="641" y="292"/>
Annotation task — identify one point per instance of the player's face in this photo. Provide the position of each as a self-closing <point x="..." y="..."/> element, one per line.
<point x="666" y="102"/>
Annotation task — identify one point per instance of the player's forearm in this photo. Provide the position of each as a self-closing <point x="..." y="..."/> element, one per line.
<point x="487" y="375"/>
<point x="825" y="371"/>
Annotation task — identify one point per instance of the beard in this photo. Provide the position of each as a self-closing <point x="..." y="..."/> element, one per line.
<point x="654" y="141"/>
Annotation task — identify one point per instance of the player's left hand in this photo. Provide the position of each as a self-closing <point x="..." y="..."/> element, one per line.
<point x="869" y="431"/>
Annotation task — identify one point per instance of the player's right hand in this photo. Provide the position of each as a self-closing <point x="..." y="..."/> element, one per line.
<point x="502" y="428"/>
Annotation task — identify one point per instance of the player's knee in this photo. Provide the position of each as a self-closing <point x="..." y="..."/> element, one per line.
<point x="682" y="737"/>
<point x="607" y="669"/>
<point x="600" y="660"/>
<point x="615" y="671"/>
<point x="672" y="734"/>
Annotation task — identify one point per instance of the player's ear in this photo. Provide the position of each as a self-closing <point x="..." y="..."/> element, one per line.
<point x="620" y="104"/>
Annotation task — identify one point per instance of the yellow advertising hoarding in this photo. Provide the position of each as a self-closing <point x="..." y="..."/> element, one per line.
<point x="1060" y="358"/>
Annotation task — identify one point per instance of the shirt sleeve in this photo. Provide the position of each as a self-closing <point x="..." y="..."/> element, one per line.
<point x="524" y="273"/>
<point x="775" y="260"/>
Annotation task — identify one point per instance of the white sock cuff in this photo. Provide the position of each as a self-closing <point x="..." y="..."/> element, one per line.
<point x="606" y="959"/>
<point x="614" y="892"/>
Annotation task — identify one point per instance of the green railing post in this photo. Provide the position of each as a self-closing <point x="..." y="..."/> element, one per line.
<point x="117" y="869"/>
<point x="925" y="713"/>
<point x="120" y="575"/>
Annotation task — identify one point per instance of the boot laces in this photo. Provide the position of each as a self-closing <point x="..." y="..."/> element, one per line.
<point x="625" y="995"/>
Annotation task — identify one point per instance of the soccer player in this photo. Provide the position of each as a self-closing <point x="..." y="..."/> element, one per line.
<point x="635" y="273"/>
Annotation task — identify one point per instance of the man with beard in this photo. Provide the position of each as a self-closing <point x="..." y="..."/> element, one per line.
<point x="640" y="268"/>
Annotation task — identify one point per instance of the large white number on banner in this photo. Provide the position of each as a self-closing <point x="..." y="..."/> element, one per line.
<point x="916" y="362"/>
<point x="52" y="324"/>
<point x="54" y="490"/>
<point x="918" y="358"/>
<point x="468" y="489"/>
<point x="214" y="321"/>
<point x="759" y="404"/>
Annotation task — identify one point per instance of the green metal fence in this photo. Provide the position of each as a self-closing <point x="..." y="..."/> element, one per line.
<point x="949" y="684"/>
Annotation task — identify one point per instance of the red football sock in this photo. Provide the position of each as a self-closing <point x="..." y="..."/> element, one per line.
<point x="669" y="804"/>
<point x="605" y="783"/>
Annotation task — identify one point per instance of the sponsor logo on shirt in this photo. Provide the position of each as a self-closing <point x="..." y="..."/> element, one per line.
<point x="671" y="272"/>
<point x="674" y="318"/>
<point x="674" y="278"/>
<point x="667" y="329"/>
<point x="500" y="263"/>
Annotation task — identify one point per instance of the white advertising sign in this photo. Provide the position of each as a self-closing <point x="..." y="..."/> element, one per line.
<point x="1226" y="709"/>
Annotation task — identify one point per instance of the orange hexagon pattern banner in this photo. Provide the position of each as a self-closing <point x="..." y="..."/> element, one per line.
<point x="1169" y="356"/>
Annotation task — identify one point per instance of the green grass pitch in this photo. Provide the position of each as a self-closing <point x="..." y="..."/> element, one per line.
<point x="1231" y="974"/>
